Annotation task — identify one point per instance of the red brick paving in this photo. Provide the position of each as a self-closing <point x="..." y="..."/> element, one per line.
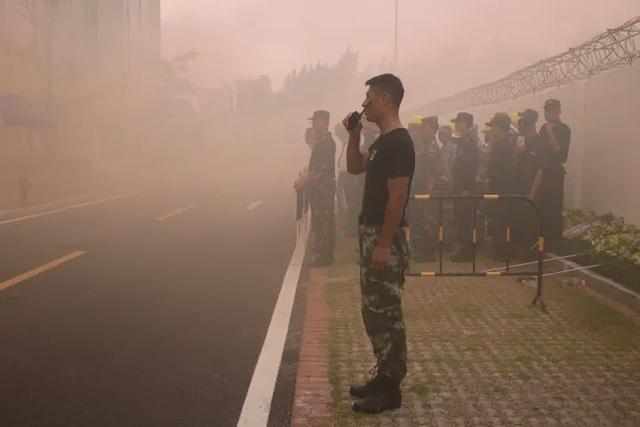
<point x="312" y="395"/>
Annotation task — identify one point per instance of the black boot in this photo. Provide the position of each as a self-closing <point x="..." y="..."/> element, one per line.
<point x="370" y="387"/>
<point x="388" y="397"/>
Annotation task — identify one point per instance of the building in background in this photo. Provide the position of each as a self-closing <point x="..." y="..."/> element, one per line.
<point x="253" y="95"/>
<point x="45" y="42"/>
<point x="93" y="69"/>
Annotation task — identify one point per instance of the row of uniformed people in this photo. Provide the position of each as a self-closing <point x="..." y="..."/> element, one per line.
<point x="513" y="158"/>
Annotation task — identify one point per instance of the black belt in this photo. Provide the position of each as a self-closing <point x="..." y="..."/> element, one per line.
<point x="363" y="220"/>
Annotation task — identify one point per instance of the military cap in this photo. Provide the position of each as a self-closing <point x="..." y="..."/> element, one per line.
<point x="551" y="104"/>
<point x="529" y="116"/>
<point x="431" y="121"/>
<point x="320" y="114"/>
<point x="501" y="120"/>
<point x="463" y="117"/>
<point x="415" y="120"/>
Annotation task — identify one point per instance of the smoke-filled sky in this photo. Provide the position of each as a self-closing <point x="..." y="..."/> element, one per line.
<point x="245" y="38"/>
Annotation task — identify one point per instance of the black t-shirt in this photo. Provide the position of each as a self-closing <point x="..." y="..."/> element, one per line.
<point x="563" y="135"/>
<point x="390" y="156"/>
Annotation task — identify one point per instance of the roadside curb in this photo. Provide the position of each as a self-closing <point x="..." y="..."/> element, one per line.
<point x="603" y="285"/>
<point x="312" y="392"/>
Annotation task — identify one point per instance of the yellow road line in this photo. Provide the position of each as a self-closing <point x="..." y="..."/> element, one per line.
<point x="176" y="212"/>
<point x="36" y="271"/>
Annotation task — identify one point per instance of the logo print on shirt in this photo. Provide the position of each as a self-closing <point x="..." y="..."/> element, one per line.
<point x="372" y="155"/>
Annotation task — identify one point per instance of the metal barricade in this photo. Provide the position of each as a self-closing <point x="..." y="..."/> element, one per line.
<point x="508" y="272"/>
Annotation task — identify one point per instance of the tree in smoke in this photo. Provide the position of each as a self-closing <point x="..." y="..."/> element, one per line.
<point x="174" y="73"/>
<point x="320" y="84"/>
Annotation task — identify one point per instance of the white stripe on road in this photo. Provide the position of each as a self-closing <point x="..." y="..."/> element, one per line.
<point x="40" y="206"/>
<point x="257" y="404"/>
<point x="68" y="208"/>
<point x="176" y="212"/>
<point x="254" y="205"/>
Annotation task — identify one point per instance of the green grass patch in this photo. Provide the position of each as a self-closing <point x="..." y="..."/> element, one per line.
<point x="497" y="391"/>
<point x="420" y="389"/>
<point x="593" y="315"/>
<point x="448" y="360"/>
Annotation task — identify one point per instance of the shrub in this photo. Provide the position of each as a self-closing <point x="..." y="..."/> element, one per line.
<point x="574" y="216"/>
<point x="613" y="245"/>
<point x="616" y="239"/>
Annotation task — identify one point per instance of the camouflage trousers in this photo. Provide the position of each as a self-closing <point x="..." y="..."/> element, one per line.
<point x="323" y="220"/>
<point x="382" y="302"/>
<point x="424" y="217"/>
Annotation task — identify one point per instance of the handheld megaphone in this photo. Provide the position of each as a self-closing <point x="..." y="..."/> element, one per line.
<point x="355" y="117"/>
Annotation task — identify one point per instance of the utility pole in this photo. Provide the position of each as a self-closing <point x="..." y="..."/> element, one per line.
<point x="395" y="50"/>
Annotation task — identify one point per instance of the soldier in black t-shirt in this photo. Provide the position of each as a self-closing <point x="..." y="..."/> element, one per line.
<point x="389" y="165"/>
<point x="556" y="136"/>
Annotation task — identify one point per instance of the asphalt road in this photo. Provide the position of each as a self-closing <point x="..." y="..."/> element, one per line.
<point x="155" y="322"/>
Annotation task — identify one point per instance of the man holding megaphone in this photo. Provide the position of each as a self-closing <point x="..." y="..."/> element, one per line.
<point x="384" y="250"/>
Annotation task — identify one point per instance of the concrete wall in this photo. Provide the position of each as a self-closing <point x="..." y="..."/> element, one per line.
<point x="603" y="171"/>
<point x="104" y="71"/>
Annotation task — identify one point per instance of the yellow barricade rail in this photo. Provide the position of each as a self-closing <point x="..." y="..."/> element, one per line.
<point x="508" y="272"/>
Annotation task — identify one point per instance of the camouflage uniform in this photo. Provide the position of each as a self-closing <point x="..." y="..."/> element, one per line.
<point x="382" y="301"/>
<point x="445" y="188"/>
<point x="481" y="188"/>
<point x="391" y="156"/>
<point x="425" y="215"/>
<point x="465" y="168"/>
<point x="322" y="194"/>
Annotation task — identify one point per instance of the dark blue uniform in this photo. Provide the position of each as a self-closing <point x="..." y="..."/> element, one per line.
<point x="552" y="200"/>
<point x="529" y="161"/>
<point x="501" y="177"/>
